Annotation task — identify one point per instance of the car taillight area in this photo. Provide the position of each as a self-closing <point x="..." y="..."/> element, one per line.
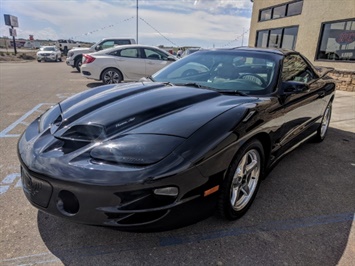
<point x="87" y="59"/>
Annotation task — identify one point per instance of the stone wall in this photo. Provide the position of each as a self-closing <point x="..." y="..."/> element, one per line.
<point x="345" y="79"/>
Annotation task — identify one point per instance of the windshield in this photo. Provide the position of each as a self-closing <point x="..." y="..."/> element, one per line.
<point x="223" y="70"/>
<point x="48" y="49"/>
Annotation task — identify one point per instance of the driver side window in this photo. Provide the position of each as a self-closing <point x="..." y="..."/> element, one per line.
<point x="296" y="69"/>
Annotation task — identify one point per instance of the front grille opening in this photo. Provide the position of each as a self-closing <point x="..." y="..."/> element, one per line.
<point x="140" y="218"/>
<point x="141" y="200"/>
<point x="67" y="203"/>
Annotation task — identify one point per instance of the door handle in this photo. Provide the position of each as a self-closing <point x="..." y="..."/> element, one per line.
<point x="321" y="94"/>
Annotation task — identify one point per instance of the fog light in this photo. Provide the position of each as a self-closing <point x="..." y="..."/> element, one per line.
<point x="167" y="191"/>
<point x="67" y="203"/>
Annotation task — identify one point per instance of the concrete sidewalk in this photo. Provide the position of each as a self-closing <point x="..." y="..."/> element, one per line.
<point x="343" y="115"/>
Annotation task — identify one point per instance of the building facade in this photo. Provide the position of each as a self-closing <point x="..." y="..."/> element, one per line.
<point x="322" y="30"/>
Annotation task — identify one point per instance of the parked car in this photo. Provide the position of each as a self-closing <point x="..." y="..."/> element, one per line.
<point x="75" y="55"/>
<point x="199" y="134"/>
<point x="124" y="63"/>
<point x="65" y="45"/>
<point x="49" y="53"/>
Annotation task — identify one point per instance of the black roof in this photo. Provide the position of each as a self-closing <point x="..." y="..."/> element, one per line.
<point x="279" y="51"/>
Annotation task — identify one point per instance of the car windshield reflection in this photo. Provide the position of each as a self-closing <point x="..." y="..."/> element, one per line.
<point x="251" y="73"/>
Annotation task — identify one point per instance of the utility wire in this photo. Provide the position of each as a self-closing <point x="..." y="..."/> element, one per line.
<point x="158" y="32"/>
<point x="236" y="39"/>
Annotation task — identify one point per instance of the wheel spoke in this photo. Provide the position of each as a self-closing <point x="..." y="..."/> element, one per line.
<point x="235" y="196"/>
<point x="250" y="167"/>
<point x="245" y="190"/>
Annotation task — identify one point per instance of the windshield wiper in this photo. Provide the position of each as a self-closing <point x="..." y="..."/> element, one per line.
<point x="233" y="92"/>
<point x="196" y="85"/>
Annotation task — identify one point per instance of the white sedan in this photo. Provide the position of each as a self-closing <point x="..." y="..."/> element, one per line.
<point x="124" y="63"/>
<point x="49" y="53"/>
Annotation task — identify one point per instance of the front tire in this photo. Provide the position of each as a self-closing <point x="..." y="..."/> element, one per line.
<point x="242" y="181"/>
<point x="111" y="76"/>
<point x="323" y="128"/>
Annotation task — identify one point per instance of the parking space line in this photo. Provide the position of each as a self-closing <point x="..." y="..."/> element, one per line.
<point x="10" y="178"/>
<point x="3" y="134"/>
<point x="3" y="189"/>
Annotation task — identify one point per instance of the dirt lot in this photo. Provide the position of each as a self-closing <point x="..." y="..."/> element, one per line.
<point x="7" y="56"/>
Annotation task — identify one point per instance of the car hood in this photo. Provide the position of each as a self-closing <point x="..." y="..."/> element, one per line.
<point x="144" y="108"/>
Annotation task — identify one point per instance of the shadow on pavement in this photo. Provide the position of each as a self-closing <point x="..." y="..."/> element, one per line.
<point x="94" y="84"/>
<point x="302" y="215"/>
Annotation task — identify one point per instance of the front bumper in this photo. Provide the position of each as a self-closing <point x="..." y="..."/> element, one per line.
<point x="109" y="195"/>
<point x="47" y="57"/>
<point x="138" y="209"/>
<point x="69" y="61"/>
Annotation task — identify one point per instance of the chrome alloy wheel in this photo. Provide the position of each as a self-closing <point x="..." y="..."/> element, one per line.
<point x="111" y="77"/>
<point x="325" y="121"/>
<point x="245" y="180"/>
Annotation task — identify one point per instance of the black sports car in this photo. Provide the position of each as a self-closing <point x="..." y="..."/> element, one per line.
<point x="201" y="133"/>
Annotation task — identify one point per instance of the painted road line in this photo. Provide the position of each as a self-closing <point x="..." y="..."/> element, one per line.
<point x="3" y="134"/>
<point x="3" y="189"/>
<point x="10" y="178"/>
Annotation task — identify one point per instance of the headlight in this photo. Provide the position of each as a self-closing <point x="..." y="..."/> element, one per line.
<point x="140" y="149"/>
<point x="50" y="117"/>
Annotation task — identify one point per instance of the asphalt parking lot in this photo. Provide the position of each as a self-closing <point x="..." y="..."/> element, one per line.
<point x="303" y="213"/>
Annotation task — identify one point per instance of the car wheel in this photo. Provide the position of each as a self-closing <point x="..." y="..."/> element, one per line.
<point x="111" y="76"/>
<point x="77" y="64"/>
<point x="56" y="58"/>
<point x="39" y="61"/>
<point x="242" y="181"/>
<point x="60" y="59"/>
<point x="323" y="128"/>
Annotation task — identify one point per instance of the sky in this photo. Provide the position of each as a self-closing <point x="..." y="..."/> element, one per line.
<point x="204" y="23"/>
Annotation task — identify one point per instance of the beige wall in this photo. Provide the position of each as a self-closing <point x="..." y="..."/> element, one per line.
<point x="314" y="12"/>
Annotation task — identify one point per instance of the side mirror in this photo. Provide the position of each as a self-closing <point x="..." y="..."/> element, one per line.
<point x="293" y="87"/>
<point x="322" y="71"/>
<point x="98" y="47"/>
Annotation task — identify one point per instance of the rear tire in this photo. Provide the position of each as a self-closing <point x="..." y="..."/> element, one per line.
<point x="111" y="76"/>
<point x="323" y="128"/>
<point x="242" y="181"/>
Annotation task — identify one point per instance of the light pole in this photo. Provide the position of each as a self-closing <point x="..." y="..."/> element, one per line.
<point x="137" y="22"/>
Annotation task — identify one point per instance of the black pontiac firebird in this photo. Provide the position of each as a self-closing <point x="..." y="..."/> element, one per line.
<point x="199" y="134"/>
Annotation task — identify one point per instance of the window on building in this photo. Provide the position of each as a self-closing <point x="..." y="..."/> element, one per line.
<point x="337" y="41"/>
<point x="289" y="38"/>
<point x="262" y="38"/>
<point x="279" y="12"/>
<point x="277" y="38"/>
<point x="265" y="14"/>
<point x="285" y="10"/>
<point x="294" y="8"/>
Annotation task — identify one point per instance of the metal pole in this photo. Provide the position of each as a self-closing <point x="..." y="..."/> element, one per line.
<point x="137" y="23"/>
<point x="13" y="39"/>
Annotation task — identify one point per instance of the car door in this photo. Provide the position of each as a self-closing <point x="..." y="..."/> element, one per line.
<point x="154" y="60"/>
<point x="130" y="63"/>
<point x="301" y="108"/>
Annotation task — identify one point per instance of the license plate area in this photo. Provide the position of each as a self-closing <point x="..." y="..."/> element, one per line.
<point x="36" y="190"/>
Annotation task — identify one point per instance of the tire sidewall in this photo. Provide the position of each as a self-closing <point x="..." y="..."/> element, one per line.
<point x="225" y="206"/>
<point x="111" y="69"/>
